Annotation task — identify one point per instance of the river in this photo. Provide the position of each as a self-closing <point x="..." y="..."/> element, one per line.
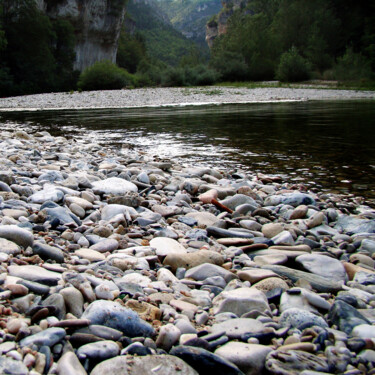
<point x="327" y="145"/>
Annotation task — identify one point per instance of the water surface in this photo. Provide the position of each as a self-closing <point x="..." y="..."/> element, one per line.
<point x="330" y="145"/>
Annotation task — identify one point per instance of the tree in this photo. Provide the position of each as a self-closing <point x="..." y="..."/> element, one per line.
<point x="28" y="54"/>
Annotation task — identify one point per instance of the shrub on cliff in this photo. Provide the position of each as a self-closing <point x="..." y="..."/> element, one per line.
<point x="104" y="75"/>
<point x="293" y="67"/>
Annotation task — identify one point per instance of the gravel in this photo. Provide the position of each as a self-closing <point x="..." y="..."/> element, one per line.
<point x="155" y="97"/>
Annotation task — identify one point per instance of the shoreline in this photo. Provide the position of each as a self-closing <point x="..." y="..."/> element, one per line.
<point x="113" y="260"/>
<point x="171" y="97"/>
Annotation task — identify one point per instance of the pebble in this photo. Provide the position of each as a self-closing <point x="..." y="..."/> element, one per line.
<point x="178" y="269"/>
<point x="249" y="358"/>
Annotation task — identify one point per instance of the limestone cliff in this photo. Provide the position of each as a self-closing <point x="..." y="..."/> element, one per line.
<point x="218" y="24"/>
<point x="97" y="25"/>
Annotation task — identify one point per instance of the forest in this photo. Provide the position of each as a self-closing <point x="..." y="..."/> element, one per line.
<point x="287" y="40"/>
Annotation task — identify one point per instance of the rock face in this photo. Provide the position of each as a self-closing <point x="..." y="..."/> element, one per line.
<point x="97" y="26"/>
<point x="218" y="26"/>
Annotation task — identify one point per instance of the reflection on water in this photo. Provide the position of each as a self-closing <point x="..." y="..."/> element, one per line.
<point x="329" y="144"/>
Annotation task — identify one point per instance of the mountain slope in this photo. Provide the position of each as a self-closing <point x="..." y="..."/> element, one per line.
<point x="162" y="40"/>
<point x="190" y="16"/>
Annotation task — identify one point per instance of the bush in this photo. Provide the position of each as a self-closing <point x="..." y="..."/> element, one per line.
<point x="230" y="65"/>
<point x="293" y="67"/>
<point x="173" y="77"/>
<point x="104" y="75"/>
<point x="200" y="75"/>
<point x="352" y="67"/>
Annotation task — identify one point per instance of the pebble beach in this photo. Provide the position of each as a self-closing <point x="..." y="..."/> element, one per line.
<point x="128" y="263"/>
<point x="157" y="97"/>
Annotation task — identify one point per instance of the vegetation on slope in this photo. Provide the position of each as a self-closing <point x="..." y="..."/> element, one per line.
<point x="334" y="39"/>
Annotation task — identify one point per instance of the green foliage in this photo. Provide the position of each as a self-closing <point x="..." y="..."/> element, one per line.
<point x="230" y="65"/>
<point x="353" y="67"/>
<point x="37" y="55"/>
<point x="263" y="33"/>
<point x="189" y="76"/>
<point x="131" y="50"/>
<point x="104" y="75"/>
<point x="162" y="41"/>
<point x="293" y="67"/>
<point x="28" y="55"/>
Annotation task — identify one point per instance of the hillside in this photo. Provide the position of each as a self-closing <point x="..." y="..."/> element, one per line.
<point x="162" y="40"/>
<point x="190" y="16"/>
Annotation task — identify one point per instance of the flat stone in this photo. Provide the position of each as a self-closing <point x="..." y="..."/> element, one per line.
<point x="293" y="362"/>
<point x="9" y="247"/>
<point x="240" y="301"/>
<point x="48" y="252"/>
<point x="350" y="224"/>
<point x="249" y="358"/>
<point x="165" y="246"/>
<point x="368" y="245"/>
<point x="35" y="273"/>
<point x="64" y="215"/>
<point x="183" y="305"/>
<point x="126" y="365"/>
<point x="113" y="185"/>
<point x="100" y="350"/>
<point x="321" y="284"/>
<point x="20" y="236"/>
<point x="109" y="244"/>
<point x="190" y="260"/>
<point x="270" y="283"/>
<point x="205" y="362"/>
<point x="49" y="337"/>
<point x="220" y="233"/>
<point x="345" y="316"/>
<point x="272" y="229"/>
<point x="114" y="315"/>
<point x="323" y="266"/>
<point x="236" y="328"/>
<point x="89" y="254"/>
<point x="238" y="199"/>
<point x="85" y="204"/>
<point x="206" y="270"/>
<point x="353" y="269"/>
<point x="364" y="331"/>
<point x="11" y="366"/>
<point x="291" y="199"/>
<point x="283" y="238"/>
<point x="49" y="193"/>
<point x="263" y="260"/>
<point x="111" y="210"/>
<point x="297" y="248"/>
<point x="303" y="299"/>
<point x="255" y="274"/>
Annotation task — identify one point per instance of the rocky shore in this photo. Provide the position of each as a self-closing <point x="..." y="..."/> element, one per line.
<point x="156" y="97"/>
<point x="124" y="263"/>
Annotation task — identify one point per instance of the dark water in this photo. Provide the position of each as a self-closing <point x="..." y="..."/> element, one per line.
<point x="327" y="144"/>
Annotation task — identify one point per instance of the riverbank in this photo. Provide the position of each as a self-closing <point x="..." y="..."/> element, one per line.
<point x="121" y="260"/>
<point x="152" y="97"/>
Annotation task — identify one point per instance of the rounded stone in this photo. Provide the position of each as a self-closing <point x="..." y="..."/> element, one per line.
<point x="190" y="260"/>
<point x="250" y="358"/>
<point x="165" y="246"/>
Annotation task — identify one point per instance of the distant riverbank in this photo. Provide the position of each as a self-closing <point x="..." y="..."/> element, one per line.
<point x="156" y="97"/>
